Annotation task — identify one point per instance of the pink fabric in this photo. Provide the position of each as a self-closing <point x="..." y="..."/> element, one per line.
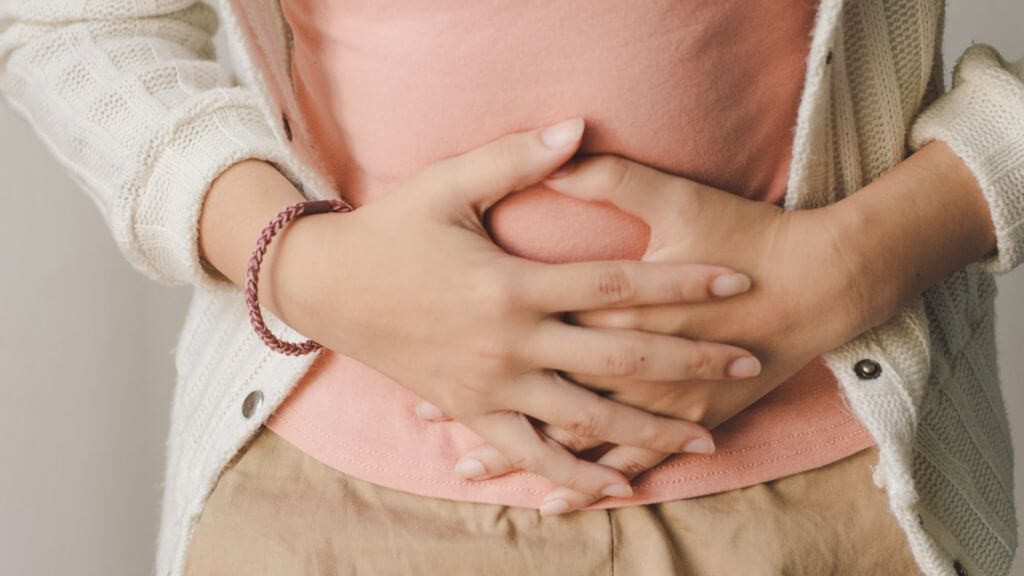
<point x="706" y="90"/>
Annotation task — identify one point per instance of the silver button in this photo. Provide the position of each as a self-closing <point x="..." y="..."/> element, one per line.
<point x="959" y="568"/>
<point x="867" y="369"/>
<point x="252" y="403"/>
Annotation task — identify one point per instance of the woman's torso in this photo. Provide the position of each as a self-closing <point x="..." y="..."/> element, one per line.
<point x="704" y="90"/>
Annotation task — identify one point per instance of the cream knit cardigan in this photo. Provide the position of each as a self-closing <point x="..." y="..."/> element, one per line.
<point x="129" y="97"/>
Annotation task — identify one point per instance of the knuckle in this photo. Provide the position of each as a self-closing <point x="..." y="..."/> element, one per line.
<point x="527" y="461"/>
<point x="580" y="479"/>
<point x="574" y="442"/>
<point x="694" y="286"/>
<point x="685" y="200"/>
<point x="474" y="388"/>
<point x="468" y="397"/>
<point x="489" y="368"/>
<point x="696" y="408"/>
<point x="681" y="289"/>
<point x="615" y="285"/>
<point x="498" y="293"/>
<point x="506" y="155"/>
<point x="699" y="365"/>
<point x="509" y="352"/>
<point x="624" y="361"/>
<point x="591" y="423"/>
<point x="570" y="441"/>
<point x="650" y="433"/>
<point x="494" y="299"/>
<point x="501" y="355"/>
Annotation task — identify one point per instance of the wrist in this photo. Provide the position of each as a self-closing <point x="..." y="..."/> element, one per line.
<point x="294" y="281"/>
<point x="252" y="285"/>
<point x="909" y="229"/>
<point x="868" y="286"/>
<point x="239" y="203"/>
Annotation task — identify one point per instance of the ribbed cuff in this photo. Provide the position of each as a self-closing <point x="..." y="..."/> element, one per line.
<point x="156" y="220"/>
<point x="982" y="120"/>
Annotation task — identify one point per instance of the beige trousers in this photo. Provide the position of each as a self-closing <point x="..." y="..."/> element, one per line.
<point x="277" y="511"/>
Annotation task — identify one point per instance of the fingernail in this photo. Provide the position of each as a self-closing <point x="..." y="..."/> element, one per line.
<point x="744" y="367"/>
<point x="554" y="507"/>
<point x="730" y="284"/>
<point x="700" y="445"/>
<point x="428" y="411"/>
<point x="562" y="134"/>
<point x="617" y="491"/>
<point x="470" y="469"/>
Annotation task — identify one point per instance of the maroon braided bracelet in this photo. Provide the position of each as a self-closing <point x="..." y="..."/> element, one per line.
<point x="252" y="274"/>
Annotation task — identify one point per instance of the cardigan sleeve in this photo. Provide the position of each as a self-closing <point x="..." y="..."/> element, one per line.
<point x="981" y="118"/>
<point x="129" y="97"/>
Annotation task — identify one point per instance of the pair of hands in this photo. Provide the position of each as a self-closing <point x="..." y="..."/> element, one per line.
<point x="806" y="299"/>
<point x="544" y="360"/>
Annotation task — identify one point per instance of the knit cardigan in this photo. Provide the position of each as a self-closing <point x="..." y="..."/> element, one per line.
<point x="129" y="96"/>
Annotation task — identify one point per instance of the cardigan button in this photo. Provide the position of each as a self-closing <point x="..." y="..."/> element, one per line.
<point x="287" y="127"/>
<point x="828" y="59"/>
<point x="252" y="403"/>
<point x="959" y="568"/>
<point x="867" y="369"/>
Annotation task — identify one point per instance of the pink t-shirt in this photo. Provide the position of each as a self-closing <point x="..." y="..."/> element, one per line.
<point x="706" y="90"/>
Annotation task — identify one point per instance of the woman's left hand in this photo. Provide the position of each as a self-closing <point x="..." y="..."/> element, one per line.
<point x="806" y="299"/>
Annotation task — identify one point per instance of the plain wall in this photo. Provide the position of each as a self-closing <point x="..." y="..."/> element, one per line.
<point x="86" y="348"/>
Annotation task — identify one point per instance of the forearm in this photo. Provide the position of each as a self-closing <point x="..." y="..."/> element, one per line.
<point x="911" y="228"/>
<point x="171" y="119"/>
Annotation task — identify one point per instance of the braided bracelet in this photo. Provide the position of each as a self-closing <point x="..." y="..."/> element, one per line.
<point x="252" y="274"/>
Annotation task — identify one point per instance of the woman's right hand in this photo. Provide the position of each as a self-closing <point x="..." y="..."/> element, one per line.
<point x="412" y="285"/>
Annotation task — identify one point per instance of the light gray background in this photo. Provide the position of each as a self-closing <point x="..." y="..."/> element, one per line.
<point x="86" y="348"/>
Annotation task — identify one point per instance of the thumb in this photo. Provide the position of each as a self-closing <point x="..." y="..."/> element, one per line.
<point x="632" y="187"/>
<point x="484" y="175"/>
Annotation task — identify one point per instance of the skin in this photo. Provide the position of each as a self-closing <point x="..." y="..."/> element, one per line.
<point x="484" y="335"/>
<point x="903" y="233"/>
<point x="820" y="278"/>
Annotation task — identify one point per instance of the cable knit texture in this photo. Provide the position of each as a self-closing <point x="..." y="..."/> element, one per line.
<point x="129" y="97"/>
